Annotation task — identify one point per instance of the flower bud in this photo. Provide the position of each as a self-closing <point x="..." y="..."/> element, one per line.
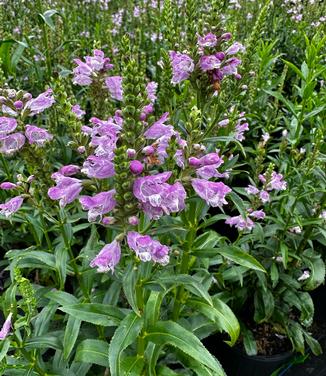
<point x="108" y="221"/>
<point x="136" y="167"/>
<point x="6" y="185"/>
<point x="133" y="221"/>
<point x="81" y="149"/>
<point x="131" y="153"/>
<point x="226" y="36"/>
<point x="30" y="179"/>
<point x="19" y="105"/>
<point x="148" y="150"/>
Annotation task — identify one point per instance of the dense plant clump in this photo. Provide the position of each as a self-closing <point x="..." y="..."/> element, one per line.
<point x="162" y="179"/>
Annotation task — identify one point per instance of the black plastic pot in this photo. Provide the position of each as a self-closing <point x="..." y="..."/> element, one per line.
<point x="237" y="363"/>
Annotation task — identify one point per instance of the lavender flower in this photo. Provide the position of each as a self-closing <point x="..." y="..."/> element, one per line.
<point x="235" y="48"/>
<point x="158" y="197"/>
<point x="108" y="257"/>
<point x="36" y="135"/>
<point x="136" y="167"/>
<point x="114" y="85"/>
<point x="182" y="66"/>
<point x="240" y="223"/>
<point x="6" y="185"/>
<point x="252" y="190"/>
<point x="78" y="111"/>
<point x="148" y="249"/>
<point x="98" y="167"/>
<point x="6" y="327"/>
<point x="213" y="193"/>
<point x="98" y="205"/>
<point x="151" y="89"/>
<point x="40" y="103"/>
<point x="258" y="214"/>
<point x="11" y="206"/>
<point x="11" y="143"/>
<point x="159" y="129"/>
<point x="66" y="190"/>
<point x="264" y="196"/>
<point x="7" y="125"/>
<point x="208" y="40"/>
<point x="87" y="71"/>
<point x="276" y="182"/>
<point x="208" y="63"/>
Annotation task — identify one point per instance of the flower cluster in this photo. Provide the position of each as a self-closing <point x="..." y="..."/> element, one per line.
<point x="215" y="60"/>
<point x="13" y="133"/>
<point x="89" y="70"/>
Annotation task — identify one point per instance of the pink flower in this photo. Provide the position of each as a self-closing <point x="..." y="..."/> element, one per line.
<point x="151" y="89"/>
<point x="6" y="185"/>
<point x="258" y="214"/>
<point x="182" y="66"/>
<point x="158" y="197"/>
<point x="11" y="143"/>
<point x="108" y="257"/>
<point x="66" y="190"/>
<point x="78" y="111"/>
<point x="98" y="167"/>
<point x="208" y="40"/>
<point x="7" y="125"/>
<point x="114" y="85"/>
<point x="252" y="190"/>
<point x="235" y="48"/>
<point x="11" y="206"/>
<point x="36" y="135"/>
<point x="40" y="103"/>
<point x="6" y="327"/>
<point x="136" y="167"/>
<point x="148" y="249"/>
<point x="98" y="205"/>
<point x="276" y="182"/>
<point x="213" y="193"/>
<point x="264" y="196"/>
<point x="240" y="223"/>
<point x="208" y="63"/>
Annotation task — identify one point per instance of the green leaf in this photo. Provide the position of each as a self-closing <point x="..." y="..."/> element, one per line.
<point x="93" y="351"/>
<point x="124" y="336"/>
<point x="152" y="308"/>
<point x="313" y="344"/>
<point x="221" y="314"/>
<point x="95" y="313"/>
<point x="132" y="366"/>
<point x="189" y="283"/>
<point x="240" y="257"/>
<point x="238" y="202"/>
<point x="43" y="319"/>
<point x="248" y="341"/>
<point x="207" y="240"/>
<point x="173" y="334"/>
<point x="50" y="340"/>
<point x="285" y="254"/>
<point x="71" y="334"/>
<point x="4" y="347"/>
<point x="129" y="286"/>
<point x="317" y="273"/>
<point x="46" y="17"/>
<point x="61" y="297"/>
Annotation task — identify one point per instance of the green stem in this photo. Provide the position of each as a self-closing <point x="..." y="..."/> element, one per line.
<point x="140" y="304"/>
<point x="184" y="268"/>
<point x="73" y="262"/>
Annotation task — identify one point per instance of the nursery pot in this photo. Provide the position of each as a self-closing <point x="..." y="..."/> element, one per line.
<point x="238" y="363"/>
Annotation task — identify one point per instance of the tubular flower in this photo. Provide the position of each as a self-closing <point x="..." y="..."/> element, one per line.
<point x="108" y="257"/>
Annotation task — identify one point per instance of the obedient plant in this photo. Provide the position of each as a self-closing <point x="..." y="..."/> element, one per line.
<point x="165" y="186"/>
